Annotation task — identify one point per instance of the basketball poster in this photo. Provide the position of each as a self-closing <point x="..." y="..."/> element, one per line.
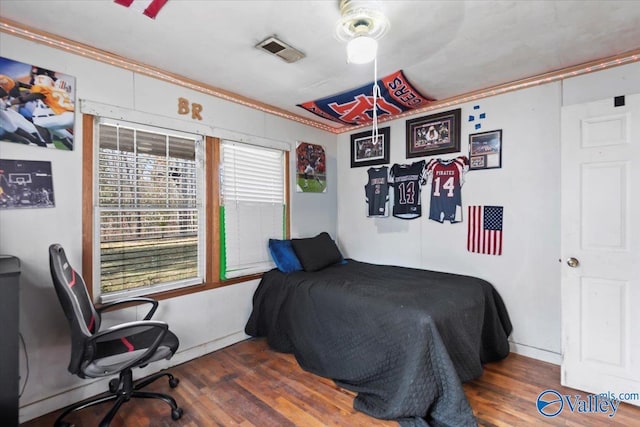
<point x="25" y="184"/>
<point x="37" y="106"/>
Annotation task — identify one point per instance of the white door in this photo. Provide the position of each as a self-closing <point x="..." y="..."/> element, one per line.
<point x="601" y="246"/>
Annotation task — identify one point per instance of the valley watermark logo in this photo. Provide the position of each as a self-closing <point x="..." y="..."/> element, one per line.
<point x="550" y="403"/>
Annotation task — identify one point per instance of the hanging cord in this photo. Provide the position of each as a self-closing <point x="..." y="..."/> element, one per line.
<point x="26" y="357"/>
<point x="376" y="95"/>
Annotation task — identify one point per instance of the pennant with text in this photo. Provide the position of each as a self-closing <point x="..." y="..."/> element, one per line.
<point x="149" y="8"/>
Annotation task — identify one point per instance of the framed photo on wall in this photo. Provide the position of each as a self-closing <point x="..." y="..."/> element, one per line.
<point x="38" y="105"/>
<point x="434" y="134"/>
<point x="485" y="150"/>
<point x="26" y="184"/>
<point x="311" y="175"/>
<point x="367" y="152"/>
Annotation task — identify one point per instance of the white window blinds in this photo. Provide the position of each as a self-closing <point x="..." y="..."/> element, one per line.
<point x="252" y="207"/>
<point x="149" y="210"/>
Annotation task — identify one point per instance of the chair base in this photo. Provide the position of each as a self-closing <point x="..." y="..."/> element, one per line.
<point x="121" y="390"/>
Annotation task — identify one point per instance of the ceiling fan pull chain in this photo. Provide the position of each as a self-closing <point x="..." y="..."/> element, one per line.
<point x="376" y="95"/>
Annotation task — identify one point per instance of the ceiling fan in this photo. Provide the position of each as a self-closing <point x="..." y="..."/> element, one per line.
<point x="361" y="24"/>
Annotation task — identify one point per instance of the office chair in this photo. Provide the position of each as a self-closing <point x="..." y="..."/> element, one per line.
<point x="116" y="350"/>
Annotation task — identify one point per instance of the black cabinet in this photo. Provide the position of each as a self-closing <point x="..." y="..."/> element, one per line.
<point x="9" y="364"/>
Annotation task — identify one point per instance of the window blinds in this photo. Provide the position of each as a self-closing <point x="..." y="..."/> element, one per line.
<point x="252" y="207"/>
<point x="149" y="210"/>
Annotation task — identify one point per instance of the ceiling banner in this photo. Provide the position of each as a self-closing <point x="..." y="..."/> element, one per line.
<point x="355" y="107"/>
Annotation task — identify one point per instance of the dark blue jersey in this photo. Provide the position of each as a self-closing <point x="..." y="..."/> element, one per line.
<point x="406" y="181"/>
<point x="377" y="191"/>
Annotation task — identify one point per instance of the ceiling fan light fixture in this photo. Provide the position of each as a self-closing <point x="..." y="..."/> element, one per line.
<point x="361" y="24"/>
<point x="361" y="50"/>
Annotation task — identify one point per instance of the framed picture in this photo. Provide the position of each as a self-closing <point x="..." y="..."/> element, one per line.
<point x="485" y="150"/>
<point x="26" y="184"/>
<point x="39" y="105"/>
<point x="367" y="152"/>
<point x="311" y="175"/>
<point x="435" y="134"/>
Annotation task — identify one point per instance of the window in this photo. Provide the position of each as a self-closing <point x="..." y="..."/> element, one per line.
<point x="169" y="212"/>
<point x="149" y="218"/>
<point x="252" y="207"/>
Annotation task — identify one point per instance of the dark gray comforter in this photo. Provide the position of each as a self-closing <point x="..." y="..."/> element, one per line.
<point x="403" y="339"/>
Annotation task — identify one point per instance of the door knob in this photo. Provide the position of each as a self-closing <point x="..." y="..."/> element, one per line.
<point x="573" y="262"/>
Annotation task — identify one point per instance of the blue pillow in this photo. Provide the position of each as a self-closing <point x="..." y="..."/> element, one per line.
<point x="284" y="256"/>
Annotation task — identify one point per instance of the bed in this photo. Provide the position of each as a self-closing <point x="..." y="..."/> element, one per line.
<point x="403" y="339"/>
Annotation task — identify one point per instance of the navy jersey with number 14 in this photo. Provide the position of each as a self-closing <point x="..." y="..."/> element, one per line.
<point x="406" y="181"/>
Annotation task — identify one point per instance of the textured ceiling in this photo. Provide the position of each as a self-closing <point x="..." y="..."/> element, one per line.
<point x="445" y="48"/>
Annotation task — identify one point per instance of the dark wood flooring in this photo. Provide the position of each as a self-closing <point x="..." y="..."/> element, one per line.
<point x="247" y="384"/>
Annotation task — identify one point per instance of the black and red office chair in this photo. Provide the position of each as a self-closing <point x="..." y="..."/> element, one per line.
<point x="116" y="350"/>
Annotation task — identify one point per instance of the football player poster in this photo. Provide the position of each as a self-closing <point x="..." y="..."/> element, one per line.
<point x="36" y="105"/>
<point x="25" y="184"/>
<point x="311" y="176"/>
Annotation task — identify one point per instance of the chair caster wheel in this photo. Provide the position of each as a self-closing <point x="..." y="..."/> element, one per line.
<point x="113" y="385"/>
<point x="173" y="383"/>
<point x="176" y="414"/>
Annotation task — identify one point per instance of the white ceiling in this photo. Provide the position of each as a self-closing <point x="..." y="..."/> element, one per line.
<point x="445" y="48"/>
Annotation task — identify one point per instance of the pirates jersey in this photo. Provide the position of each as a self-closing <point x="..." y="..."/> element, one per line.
<point x="406" y="181"/>
<point x="377" y="191"/>
<point x="447" y="177"/>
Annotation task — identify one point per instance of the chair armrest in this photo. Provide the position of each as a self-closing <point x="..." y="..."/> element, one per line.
<point x="127" y="329"/>
<point x="110" y="305"/>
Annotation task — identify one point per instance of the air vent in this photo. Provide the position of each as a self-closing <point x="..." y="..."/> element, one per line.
<point x="279" y="48"/>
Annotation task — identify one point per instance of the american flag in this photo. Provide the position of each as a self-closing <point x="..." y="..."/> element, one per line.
<point x="484" y="232"/>
<point x="147" y="7"/>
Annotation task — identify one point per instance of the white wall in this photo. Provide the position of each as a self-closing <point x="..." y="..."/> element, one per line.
<point x="603" y="84"/>
<point x="526" y="185"/>
<point x="204" y="321"/>
<point x="527" y="275"/>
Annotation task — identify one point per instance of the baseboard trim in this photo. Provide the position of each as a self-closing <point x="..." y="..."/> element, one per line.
<point x="536" y="353"/>
<point x="88" y="388"/>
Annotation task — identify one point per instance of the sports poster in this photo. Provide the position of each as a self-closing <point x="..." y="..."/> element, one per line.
<point x="37" y="106"/>
<point x="311" y="175"/>
<point x="25" y="184"/>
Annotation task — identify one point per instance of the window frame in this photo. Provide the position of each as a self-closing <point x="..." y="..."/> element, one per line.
<point x="140" y="157"/>
<point x="211" y="194"/>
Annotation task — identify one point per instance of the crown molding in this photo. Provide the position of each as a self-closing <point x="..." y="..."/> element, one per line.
<point x="540" y="79"/>
<point x="81" y="49"/>
<point x="90" y="52"/>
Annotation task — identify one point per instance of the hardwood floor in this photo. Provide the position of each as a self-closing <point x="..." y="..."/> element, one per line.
<point x="247" y="384"/>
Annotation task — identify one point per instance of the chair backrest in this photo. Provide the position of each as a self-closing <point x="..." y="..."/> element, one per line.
<point x="83" y="318"/>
